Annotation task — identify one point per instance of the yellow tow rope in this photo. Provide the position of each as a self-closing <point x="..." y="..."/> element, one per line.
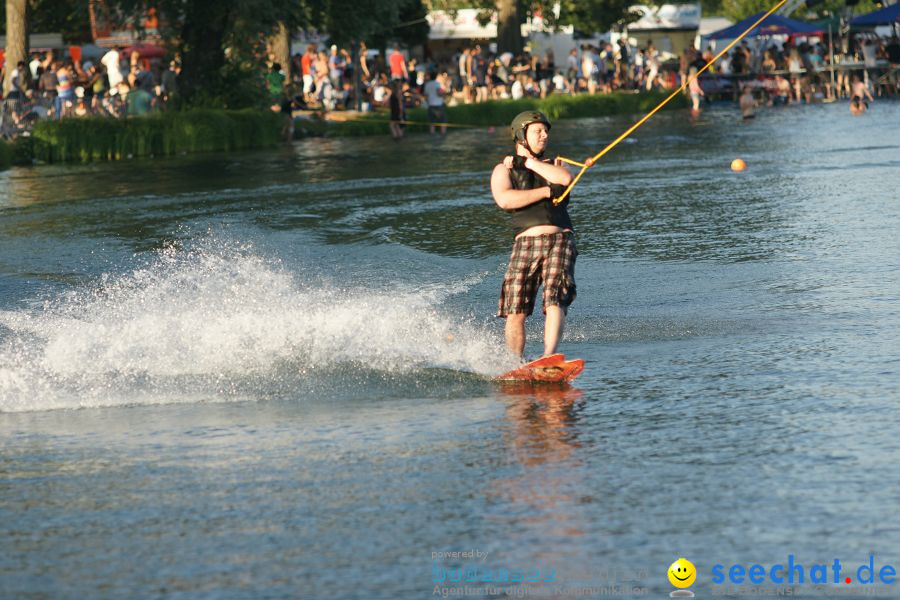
<point x="591" y="161"/>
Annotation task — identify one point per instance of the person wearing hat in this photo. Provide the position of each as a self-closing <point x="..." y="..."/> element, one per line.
<point x="336" y="65"/>
<point x="525" y="185"/>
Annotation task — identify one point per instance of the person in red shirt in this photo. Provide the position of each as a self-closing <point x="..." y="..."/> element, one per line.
<point x="306" y="68"/>
<point x="398" y="65"/>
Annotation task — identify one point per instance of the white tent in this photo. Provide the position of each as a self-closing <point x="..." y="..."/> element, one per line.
<point x="464" y="26"/>
<point x="667" y="17"/>
<point x="670" y="27"/>
<point x="40" y="41"/>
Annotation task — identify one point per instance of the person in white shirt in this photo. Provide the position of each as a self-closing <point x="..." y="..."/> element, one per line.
<point x="19" y="81"/>
<point x="517" y="91"/>
<point x="111" y="60"/>
<point x="380" y="91"/>
<point x="559" y="83"/>
<point x="33" y="66"/>
<point x="724" y="65"/>
<point x="588" y="69"/>
<point x="652" y="63"/>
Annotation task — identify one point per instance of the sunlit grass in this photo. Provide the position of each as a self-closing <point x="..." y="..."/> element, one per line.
<point x="159" y="134"/>
<point x="499" y="112"/>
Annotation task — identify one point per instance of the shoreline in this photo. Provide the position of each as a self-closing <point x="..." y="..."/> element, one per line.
<point x="90" y="139"/>
<point x="495" y="113"/>
<point x="84" y="140"/>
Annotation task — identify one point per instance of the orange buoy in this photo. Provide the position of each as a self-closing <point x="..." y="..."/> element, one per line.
<point x="738" y="165"/>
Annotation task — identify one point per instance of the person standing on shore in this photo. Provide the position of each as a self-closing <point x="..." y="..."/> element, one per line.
<point x="306" y="69"/>
<point x="398" y="110"/>
<point x="434" y="97"/>
<point x="651" y="62"/>
<point x="364" y="73"/>
<point x="337" y="62"/>
<point x="112" y="61"/>
<point x="524" y="185"/>
<point x="398" y="65"/>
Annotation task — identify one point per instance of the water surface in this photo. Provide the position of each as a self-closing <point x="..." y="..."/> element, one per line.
<point x="267" y="374"/>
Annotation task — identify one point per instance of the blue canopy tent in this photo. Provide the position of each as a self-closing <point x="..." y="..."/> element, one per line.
<point x="888" y="15"/>
<point x="773" y="25"/>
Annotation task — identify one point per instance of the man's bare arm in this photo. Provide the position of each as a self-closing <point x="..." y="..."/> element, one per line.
<point x="509" y="198"/>
<point x="549" y="171"/>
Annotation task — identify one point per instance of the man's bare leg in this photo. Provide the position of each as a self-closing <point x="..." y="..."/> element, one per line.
<point x="515" y="333"/>
<point x="554" y="324"/>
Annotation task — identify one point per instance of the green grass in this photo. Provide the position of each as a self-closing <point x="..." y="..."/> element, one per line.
<point x="215" y="130"/>
<point x="6" y="154"/>
<point x="499" y="113"/>
<point x="159" y="134"/>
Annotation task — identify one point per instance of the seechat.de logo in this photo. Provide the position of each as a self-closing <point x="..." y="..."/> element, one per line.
<point x="793" y="572"/>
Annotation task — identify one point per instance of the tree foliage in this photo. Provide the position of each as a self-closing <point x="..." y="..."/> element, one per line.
<point x="413" y="28"/>
<point x="222" y="42"/>
<point x="590" y="16"/>
<point x="741" y="9"/>
<point x="709" y="8"/>
<point x="71" y="19"/>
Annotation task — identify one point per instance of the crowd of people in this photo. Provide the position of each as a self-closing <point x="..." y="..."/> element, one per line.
<point x="119" y="84"/>
<point x="788" y="73"/>
<point x="122" y="84"/>
<point x="774" y="73"/>
<point x="325" y="79"/>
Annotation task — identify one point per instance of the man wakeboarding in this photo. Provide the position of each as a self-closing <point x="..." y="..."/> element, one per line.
<point x="524" y="185"/>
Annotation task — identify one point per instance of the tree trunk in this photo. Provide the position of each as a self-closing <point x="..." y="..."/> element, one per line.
<point x="280" y="43"/>
<point x="509" y="30"/>
<point x="16" y="39"/>
<point x="202" y="49"/>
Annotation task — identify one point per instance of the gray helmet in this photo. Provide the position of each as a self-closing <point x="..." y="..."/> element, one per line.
<point x="523" y="120"/>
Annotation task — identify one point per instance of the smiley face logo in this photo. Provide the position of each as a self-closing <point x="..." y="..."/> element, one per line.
<point x="682" y="573"/>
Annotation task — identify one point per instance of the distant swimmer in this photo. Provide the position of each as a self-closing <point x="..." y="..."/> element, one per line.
<point x="860" y="94"/>
<point x="782" y="92"/>
<point x="748" y="103"/>
<point x="695" y="89"/>
<point x="524" y="185"/>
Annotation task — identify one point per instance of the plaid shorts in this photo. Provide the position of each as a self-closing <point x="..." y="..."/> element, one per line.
<point x="547" y="259"/>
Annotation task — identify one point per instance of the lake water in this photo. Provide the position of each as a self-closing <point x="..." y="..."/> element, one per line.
<point x="267" y="374"/>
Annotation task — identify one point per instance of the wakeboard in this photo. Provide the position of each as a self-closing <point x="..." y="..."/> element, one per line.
<point x="547" y="369"/>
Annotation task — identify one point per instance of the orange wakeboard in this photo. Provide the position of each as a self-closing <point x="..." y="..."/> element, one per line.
<point x="547" y="369"/>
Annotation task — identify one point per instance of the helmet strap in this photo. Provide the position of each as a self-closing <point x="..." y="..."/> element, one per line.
<point x="524" y="142"/>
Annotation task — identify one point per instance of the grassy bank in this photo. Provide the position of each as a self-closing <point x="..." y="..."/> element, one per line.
<point x="500" y="113"/>
<point x="160" y="134"/>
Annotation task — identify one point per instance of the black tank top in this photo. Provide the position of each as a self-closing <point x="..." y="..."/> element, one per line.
<point x="539" y="213"/>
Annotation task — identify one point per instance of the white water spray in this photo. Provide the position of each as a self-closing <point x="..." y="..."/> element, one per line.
<point x="217" y="318"/>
